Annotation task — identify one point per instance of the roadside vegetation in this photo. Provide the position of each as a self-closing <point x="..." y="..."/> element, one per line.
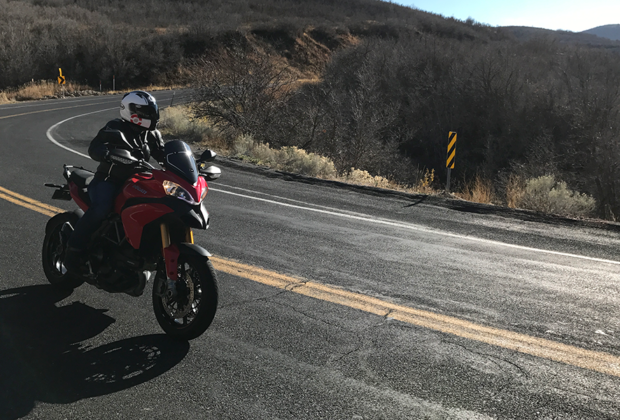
<point x="44" y="89"/>
<point x="358" y="90"/>
<point x="543" y="194"/>
<point x="176" y="122"/>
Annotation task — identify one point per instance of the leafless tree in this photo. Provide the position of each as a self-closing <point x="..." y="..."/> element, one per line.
<point x="240" y="93"/>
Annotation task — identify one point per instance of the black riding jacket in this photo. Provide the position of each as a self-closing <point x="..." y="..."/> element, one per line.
<point x="143" y="143"/>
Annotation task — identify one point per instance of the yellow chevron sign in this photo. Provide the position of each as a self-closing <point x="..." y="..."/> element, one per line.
<point x="451" y="150"/>
<point x="61" y="78"/>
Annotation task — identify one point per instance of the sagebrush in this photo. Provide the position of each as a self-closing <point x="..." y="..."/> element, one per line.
<point x="548" y="195"/>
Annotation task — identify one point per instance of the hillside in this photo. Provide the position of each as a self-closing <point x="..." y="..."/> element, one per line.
<point x="607" y="31"/>
<point x="367" y="84"/>
<point x="93" y="41"/>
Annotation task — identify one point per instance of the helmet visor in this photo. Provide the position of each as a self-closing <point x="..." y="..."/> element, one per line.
<point x="148" y="112"/>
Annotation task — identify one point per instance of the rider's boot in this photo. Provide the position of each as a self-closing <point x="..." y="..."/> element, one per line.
<point x="75" y="260"/>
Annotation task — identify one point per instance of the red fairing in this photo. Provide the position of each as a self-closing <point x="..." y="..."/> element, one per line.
<point x="139" y="186"/>
<point x="136" y="217"/>
<point x="201" y="186"/>
<point x="194" y="190"/>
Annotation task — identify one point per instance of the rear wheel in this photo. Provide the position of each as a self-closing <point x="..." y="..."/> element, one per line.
<point x="53" y="253"/>
<point x="188" y="314"/>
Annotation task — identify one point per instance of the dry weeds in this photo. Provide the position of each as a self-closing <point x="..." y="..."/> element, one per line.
<point x="480" y="190"/>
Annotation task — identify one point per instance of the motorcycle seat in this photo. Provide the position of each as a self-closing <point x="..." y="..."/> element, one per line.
<point x="81" y="177"/>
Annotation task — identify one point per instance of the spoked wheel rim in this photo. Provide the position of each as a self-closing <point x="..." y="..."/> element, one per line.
<point x="183" y="309"/>
<point x="189" y="314"/>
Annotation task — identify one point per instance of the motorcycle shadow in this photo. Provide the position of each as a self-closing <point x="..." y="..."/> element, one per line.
<point x="41" y="358"/>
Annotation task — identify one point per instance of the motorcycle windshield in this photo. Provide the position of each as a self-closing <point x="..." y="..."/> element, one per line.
<point x="180" y="160"/>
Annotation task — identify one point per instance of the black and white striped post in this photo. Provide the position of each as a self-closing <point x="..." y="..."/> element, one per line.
<point x="450" y="157"/>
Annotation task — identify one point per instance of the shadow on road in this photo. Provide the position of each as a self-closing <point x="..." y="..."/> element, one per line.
<point x="41" y="358"/>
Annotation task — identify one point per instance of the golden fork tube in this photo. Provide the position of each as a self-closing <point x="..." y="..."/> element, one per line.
<point x="165" y="236"/>
<point x="189" y="236"/>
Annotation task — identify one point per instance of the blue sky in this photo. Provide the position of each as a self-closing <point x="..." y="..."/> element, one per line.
<point x="569" y="15"/>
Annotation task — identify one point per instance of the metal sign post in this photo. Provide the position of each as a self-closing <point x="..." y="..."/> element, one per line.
<point x="450" y="157"/>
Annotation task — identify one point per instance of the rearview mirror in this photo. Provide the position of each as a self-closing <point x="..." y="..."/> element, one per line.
<point x="207" y="156"/>
<point x="211" y="173"/>
<point x="121" y="156"/>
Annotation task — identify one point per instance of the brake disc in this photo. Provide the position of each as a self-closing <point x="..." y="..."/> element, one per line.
<point x="180" y="310"/>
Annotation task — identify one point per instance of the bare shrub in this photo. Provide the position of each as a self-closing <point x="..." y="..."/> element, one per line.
<point x="240" y="92"/>
<point x="547" y="195"/>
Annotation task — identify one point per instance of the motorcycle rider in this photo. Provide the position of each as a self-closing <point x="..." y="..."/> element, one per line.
<point x="137" y="124"/>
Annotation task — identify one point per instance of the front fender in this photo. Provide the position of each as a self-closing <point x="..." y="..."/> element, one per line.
<point x="174" y="251"/>
<point x="193" y="249"/>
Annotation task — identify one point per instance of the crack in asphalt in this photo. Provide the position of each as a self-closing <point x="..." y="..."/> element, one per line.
<point x="494" y="360"/>
<point x="314" y="318"/>
<point x="247" y="301"/>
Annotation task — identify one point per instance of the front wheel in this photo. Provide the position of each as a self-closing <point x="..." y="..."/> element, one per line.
<point x="53" y="253"/>
<point x="188" y="314"/>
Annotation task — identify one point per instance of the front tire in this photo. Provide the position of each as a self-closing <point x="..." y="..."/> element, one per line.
<point x="191" y="312"/>
<point x="53" y="253"/>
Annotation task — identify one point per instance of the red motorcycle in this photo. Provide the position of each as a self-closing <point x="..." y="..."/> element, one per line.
<point x="147" y="236"/>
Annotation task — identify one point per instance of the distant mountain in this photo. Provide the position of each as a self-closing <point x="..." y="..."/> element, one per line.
<point x="588" y="38"/>
<point x="606" y="31"/>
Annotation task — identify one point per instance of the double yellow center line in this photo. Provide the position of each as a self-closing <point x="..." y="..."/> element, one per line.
<point x="539" y="347"/>
<point x="29" y="203"/>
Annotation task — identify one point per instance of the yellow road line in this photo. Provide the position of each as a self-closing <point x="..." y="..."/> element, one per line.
<point x="539" y="347"/>
<point x="47" y="207"/>
<point x="28" y="206"/>
<point x="587" y="359"/>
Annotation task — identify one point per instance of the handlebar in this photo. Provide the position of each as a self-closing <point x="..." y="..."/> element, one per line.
<point x="144" y="164"/>
<point x="124" y="157"/>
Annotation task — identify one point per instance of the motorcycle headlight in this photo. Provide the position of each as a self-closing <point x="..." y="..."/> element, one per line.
<point x="175" y="190"/>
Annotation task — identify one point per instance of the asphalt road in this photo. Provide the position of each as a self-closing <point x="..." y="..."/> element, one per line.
<point x="334" y="303"/>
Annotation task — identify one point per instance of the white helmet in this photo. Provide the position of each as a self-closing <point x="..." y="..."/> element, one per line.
<point x="140" y="108"/>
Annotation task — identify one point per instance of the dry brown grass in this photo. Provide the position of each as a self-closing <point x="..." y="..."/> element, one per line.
<point x="49" y="89"/>
<point x="39" y="90"/>
<point x="424" y="184"/>
<point x="479" y="190"/>
<point x="515" y="190"/>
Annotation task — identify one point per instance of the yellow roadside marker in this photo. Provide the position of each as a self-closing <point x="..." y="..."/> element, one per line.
<point x="587" y="359"/>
